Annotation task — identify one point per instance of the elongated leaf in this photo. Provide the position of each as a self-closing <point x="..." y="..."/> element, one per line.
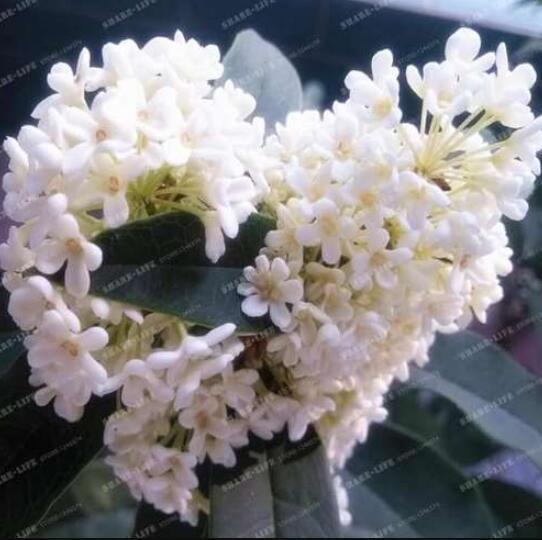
<point x="40" y="453"/>
<point x="371" y="513"/>
<point x="160" y="264"/>
<point x="116" y="524"/>
<point x="491" y="389"/>
<point x="242" y="498"/>
<point x="283" y="490"/>
<point x="431" y="416"/>
<point x="517" y="510"/>
<point x="415" y="491"/>
<point x="305" y="502"/>
<point x="151" y="523"/>
<point x="262" y="70"/>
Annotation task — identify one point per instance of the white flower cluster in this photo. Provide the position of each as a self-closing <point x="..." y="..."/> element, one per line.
<point x="148" y="132"/>
<point x="387" y="231"/>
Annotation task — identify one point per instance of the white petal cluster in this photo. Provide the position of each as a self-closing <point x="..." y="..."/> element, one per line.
<point x="150" y="131"/>
<point x="387" y="232"/>
<point x="392" y="231"/>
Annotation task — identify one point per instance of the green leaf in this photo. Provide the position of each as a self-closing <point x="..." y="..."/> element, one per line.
<point x="263" y="71"/>
<point x="98" y="491"/>
<point x="518" y="510"/>
<point x="151" y="523"/>
<point x="117" y="524"/>
<point x="40" y="453"/>
<point x="371" y="513"/>
<point x="281" y="490"/>
<point x="414" y="490"/>
<point x="531" y="235"/>
<point x="493" y="391"/>
<point x="160" y="264"/>
<point x="242" y="498"/>
<point x="305" y="503"/>
<point x="428" y="415"/>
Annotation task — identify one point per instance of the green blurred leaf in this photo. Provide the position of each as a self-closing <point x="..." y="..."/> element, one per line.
<point x="493" y="391"/>
<point x="160" y="264"/>
<point x="40" y="453"/>
<point x="305" y="504"/>
<point x="99" y="491"/>
<point x="151" y="523"/>
<point x="519" y="512"/>
<point x="283" y="490"/>
<point x="414" y="490"/>
<point x="117" y="524"/>
<point x="429" y="415"/>
<point x="263" y="71"/>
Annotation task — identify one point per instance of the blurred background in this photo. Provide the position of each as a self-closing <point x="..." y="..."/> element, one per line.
<point x="324" y="39"/>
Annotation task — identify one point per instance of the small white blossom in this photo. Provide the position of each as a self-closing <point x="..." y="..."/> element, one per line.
<point x="268" y="289"/>
<point x="67" y="245"/>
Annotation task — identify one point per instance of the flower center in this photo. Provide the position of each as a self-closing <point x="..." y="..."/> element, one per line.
<point x="101" y="135"/>
<point x="367" y="198"/>
<point x="268" y="289"/>
<point x="329" y="225"/>
<point x="344" y="150"/>
<point x="202" y="420"/>
<point x="378" y="259"/>
<point x="113" y="184"/>
<point x="383" y="171"/>
<point x="383" y="107"/>
<point x="71" y="348"/>
<point x="73" y="245"/>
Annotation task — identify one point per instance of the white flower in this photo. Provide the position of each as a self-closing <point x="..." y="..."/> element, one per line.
<point x="386" y="233"/>
<point x="419" y="198"/>
<point x="29" y="302"/>
<point x="506" y="94"/>
<point x="192" y="347"/>
<point x="268" y="289"/>
<point x="69" y="400"/>
<point x="329" y="229"/>
<point x="114" y="311"/>
<point x="67" y="244"/>
<point x="379" y="96"/>
<point x="196" y="360"/>
<point x="212" y="433"/>
<point x="462" y="49"/>
<point x="236" y="388"/>
<point x="54" y="346"/>
<point x="283" y="240"/>
<point x="378" y="263"/>
<point x="180" y="464"/>
<point x="50" y="209"/>
<point x="440" y="88"/>
<point x="69" y="86"/>
<point x="139" y="383"/>
<point x="108" y="182"/>
<point x="14" y="256"/>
